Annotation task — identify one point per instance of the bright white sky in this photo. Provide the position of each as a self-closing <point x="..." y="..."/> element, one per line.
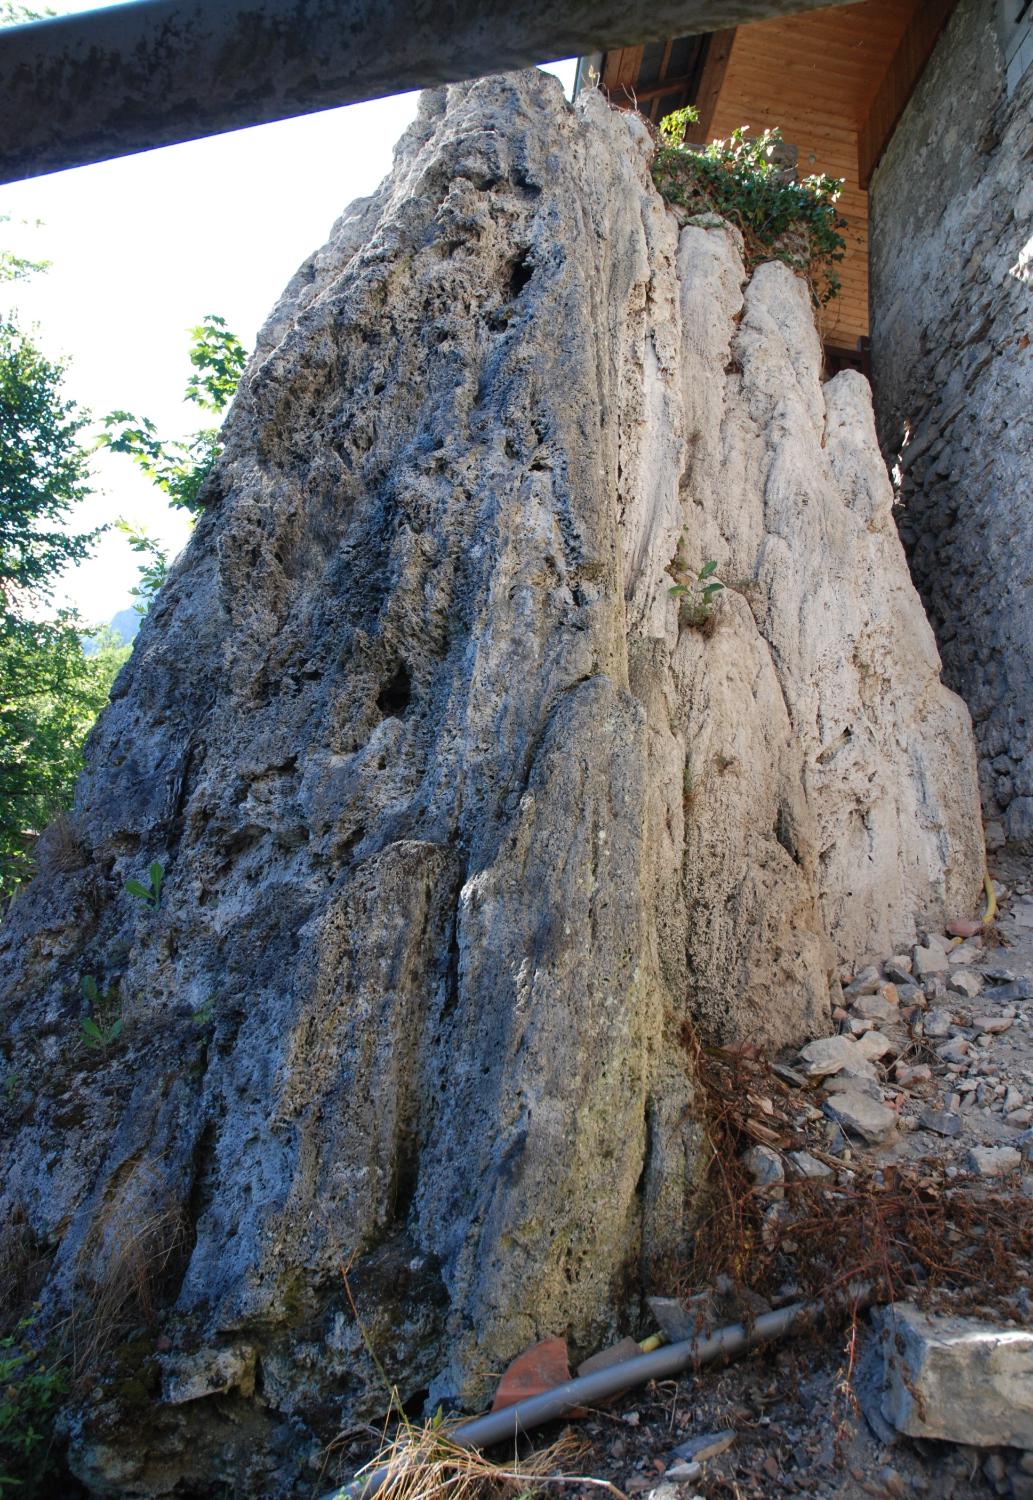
<point x="143" y="247"/>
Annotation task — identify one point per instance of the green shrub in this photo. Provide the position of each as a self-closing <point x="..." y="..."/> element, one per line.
<point x="31" y="1387"/>
<point x="739" y="179"/>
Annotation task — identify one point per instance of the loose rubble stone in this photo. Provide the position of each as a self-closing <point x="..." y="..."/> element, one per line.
<point x="849" y="1080"/>
<point x="766" y="1169"/>
<point x="681" y="1472"/>
<point x="965" y="982"/>
<point x="676" y="1320"/>
<point x="938" y="1023"/>
<point x="1019" y="989"/>
<point x="992" y="1025"/>
<point x="909" y="1074"/>
<point x="956" y="1379"/>
<point x="806" y="1165"/>
<point x="880" y="1005"/>
<point x="941" y="1121"/>
<point x="993" y="1161"/>
<point x="927" y="961"/>
<point x="898" y="968"/>
<point x="873" y="1045"/>
<point x="707" y="1445"/>
<point x="864" y="983"/>
<point x="866" y="1117"/>
<point x="956" y="1050"/>
<point x="830" y="1054"/>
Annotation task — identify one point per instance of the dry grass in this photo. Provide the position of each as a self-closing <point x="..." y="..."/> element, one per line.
<point x="900" y="1230"/>
<point x="24" y="1263"/>
<point x="135" y="1247"/>
<point x="60" y="848"/>
<point x="425" y="1463"/>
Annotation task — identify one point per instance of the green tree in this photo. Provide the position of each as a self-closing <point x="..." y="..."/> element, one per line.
<point x="179" y="466"/>
<point x="50" y="693"/>
<point x="43" y="470"/>
<point x="50" y="698"/>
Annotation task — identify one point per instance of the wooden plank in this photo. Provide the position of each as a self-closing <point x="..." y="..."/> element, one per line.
<point x="715" y="66"/>
<point x="899" y="82"/>
<point x="620" y="70"/>
<point x="815" y="75"/>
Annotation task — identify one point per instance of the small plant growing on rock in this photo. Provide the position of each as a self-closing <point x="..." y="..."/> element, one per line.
<point x="96" y="1033"/>
<point x="742" y="180"/>
<point x="149" y="894"/>
<point x="698" y="596"/>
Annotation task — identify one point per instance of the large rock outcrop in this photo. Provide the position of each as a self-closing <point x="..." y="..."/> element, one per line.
<point x="458" y="824"/>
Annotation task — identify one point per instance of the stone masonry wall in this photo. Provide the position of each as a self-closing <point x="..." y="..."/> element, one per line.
<point x="952" y="295"/>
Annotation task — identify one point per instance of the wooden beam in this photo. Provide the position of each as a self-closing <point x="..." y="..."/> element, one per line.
<point x="620" y="70"/>
<point x="670" y="86"/>
<point x="899" y="82"/>
<point x="715" y="66"/>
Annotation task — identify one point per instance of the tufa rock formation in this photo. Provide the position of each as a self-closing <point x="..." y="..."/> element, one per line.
<point x="459" y="823"/>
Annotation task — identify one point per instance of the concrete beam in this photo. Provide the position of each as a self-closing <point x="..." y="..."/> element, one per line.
<point x="85" y="88"/>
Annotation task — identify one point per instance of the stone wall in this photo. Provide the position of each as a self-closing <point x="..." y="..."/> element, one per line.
<point x="952" y="294"/>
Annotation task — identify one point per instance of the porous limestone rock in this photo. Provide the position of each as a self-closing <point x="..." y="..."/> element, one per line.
<point x="461" y="828"/>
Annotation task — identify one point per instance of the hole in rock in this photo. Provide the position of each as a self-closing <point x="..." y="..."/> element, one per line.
<point x="520" y="272"/>
<point x="393" y="698"/>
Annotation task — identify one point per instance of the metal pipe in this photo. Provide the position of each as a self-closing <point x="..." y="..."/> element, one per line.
<point x="671" y="1359"/>
<point x="109" y="82"/>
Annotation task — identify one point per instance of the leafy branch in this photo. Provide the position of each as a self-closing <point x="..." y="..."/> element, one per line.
<point x="742" y="180"/>
<point x="178" y="466"/>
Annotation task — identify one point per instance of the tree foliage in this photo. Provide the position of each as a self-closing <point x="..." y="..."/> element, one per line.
<point x="50" y="697"/>
<point x="43" y="472"/>
<point x="178" y="466"/>
<point x="50" y="693"/>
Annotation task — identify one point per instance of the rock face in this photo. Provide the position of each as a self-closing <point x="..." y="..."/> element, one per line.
<point x="459" y="824"/>
<point x="952" y="350"/>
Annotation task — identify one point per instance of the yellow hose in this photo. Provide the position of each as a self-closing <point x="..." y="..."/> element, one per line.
<point x="652" y="1342"/>
<point x="991" y="900"/>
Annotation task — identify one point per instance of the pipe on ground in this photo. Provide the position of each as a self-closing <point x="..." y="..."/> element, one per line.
<point x="671" y="1359"/>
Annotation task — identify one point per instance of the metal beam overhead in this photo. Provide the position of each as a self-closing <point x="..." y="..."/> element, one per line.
<point x="110" y="82"/>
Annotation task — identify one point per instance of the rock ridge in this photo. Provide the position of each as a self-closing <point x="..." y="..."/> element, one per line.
<point x="461" y="825"/>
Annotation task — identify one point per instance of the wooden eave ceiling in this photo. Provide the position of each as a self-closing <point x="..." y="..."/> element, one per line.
<point x="835" y="81"/>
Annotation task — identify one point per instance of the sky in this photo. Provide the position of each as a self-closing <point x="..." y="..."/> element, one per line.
<point x="141" y="248"/>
